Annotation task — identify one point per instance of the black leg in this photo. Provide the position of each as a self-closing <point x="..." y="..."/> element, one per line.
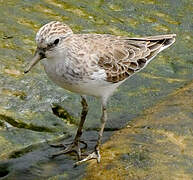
<point x="103" y="122"/>
<point x="82" y="119"/>
<point x="75" y="145"/>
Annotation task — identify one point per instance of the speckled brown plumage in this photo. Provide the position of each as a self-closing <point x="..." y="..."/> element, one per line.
<point x="123" y="59"/>
<point x="119" y="56"/>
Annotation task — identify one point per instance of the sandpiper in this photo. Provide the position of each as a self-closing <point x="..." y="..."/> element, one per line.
<point x="94" y="65"/>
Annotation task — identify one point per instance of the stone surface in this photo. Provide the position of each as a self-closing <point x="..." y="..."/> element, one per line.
<point x="33" y="110"/>
<point x="156" y="145"/>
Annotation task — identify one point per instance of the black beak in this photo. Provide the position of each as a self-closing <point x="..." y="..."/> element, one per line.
<point x="39" y="54"/>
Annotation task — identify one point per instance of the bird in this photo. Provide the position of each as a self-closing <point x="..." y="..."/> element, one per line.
<point x="92" y="65"/>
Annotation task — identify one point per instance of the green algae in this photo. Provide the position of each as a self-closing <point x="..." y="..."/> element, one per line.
<point x="62" y="113"/>
<point x="21" y="124"/>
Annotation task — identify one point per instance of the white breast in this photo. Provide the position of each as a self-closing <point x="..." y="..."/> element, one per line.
<point x="95" y="85"/>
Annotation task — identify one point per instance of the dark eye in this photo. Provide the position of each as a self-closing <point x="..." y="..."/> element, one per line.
<point x="56" y="41"/>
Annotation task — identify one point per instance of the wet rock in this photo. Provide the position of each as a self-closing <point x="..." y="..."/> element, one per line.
<point x="163" y="151"/>
<point x="33" y="110"/>
<point x="4" y="170"/>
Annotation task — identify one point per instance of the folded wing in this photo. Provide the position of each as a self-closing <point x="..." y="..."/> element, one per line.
<point x="126" y="56"/>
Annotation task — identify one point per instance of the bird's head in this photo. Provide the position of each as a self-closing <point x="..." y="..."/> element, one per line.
<point x="48" y="39"/>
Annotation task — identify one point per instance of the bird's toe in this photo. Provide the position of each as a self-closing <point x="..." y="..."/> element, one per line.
<point x="94" y="155"/>
<point x="72" y="147"/>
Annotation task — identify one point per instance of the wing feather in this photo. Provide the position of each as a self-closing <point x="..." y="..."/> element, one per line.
<point x="125" y="56"/>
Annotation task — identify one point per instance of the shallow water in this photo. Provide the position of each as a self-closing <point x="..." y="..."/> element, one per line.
<point x="27" y="101"/>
